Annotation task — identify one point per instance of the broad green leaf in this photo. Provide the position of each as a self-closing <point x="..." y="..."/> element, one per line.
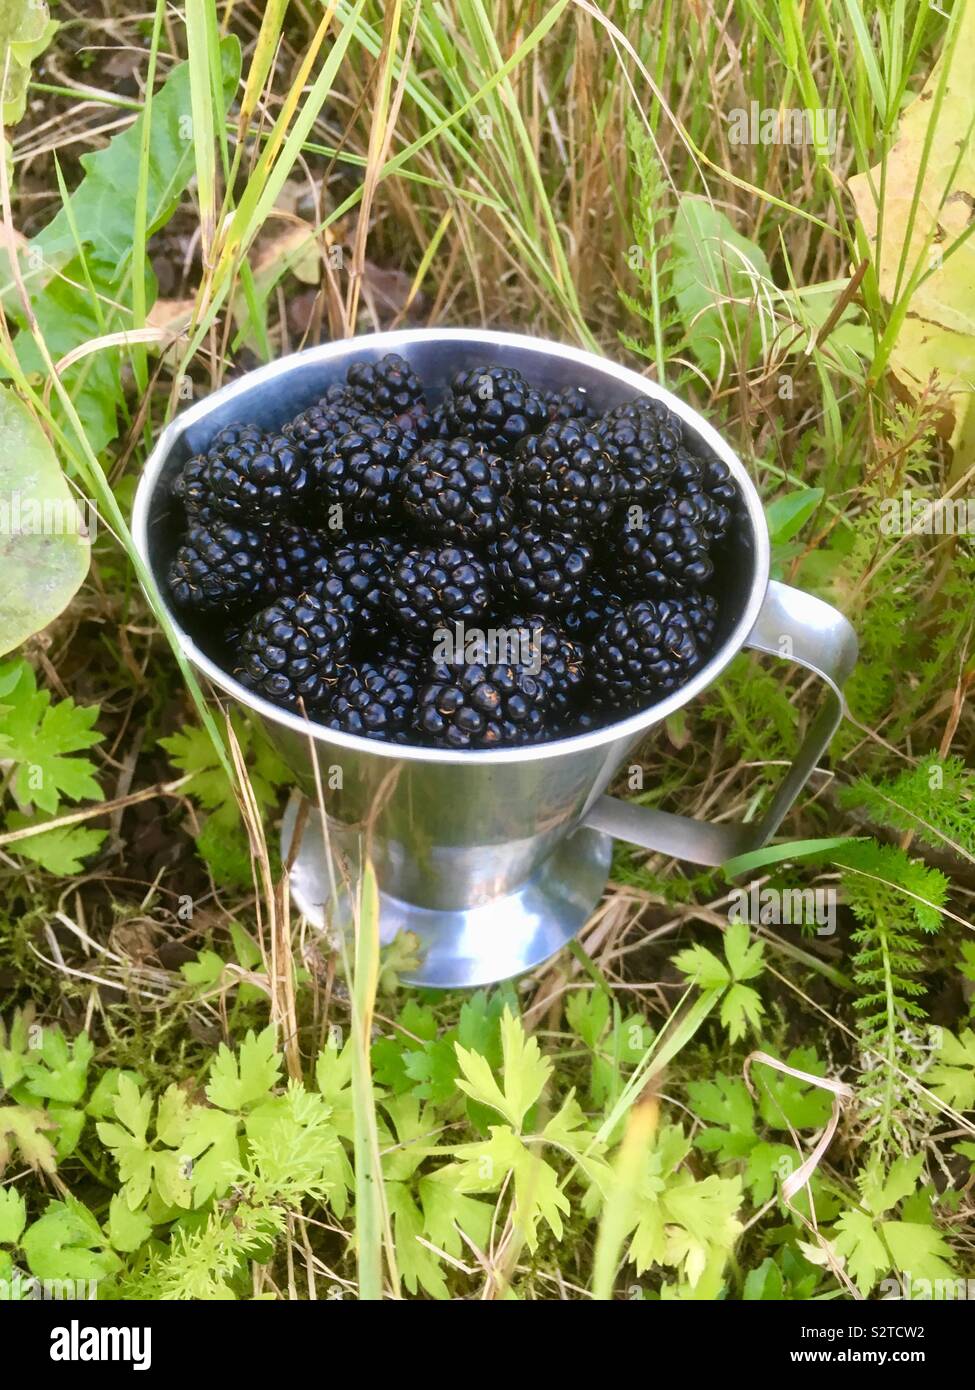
<point x="787" y="515"/>
<point x="58" y="1070"/>
<point x="722" y="283"/>
<point x="857" y="1240"/>
<point x="742" y="1006"/>
<point x="26" y="29"/>
<point x="44" y="545"/>
<point x="881" y="1193"/>
<point x="68" y="1243"/>
<point x="103" y="212"/>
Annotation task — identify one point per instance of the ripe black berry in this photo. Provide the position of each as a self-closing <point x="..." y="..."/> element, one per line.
<point x="256" y="480"/>
<point x="467" y="705"/>
<point x="571" y="403"/>
<point x="387" y="387"/>
<point x="376" y="701"/>
<point x="433" y="587"/>
<point x="494" y="406"/>
<point x="598" y="600"/>
<point x="357" y="582"/>
<point x="456" y="490"/>
<point x="218" y="568"/>
<point x="648" y="649"/>
<point x="190" y="486"/>
<point x="540" y="571"/>
<point x="663" y="549"/>
<point x="645" y="437"/>
<point x="361" y="470"/>
<point x="293" y="651"/>
<point x="561" y="661"/>
<point x="566" y="477"/>
<point x="296" y="559"/>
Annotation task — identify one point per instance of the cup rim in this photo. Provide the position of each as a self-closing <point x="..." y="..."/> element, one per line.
<point x="377" y="344"/>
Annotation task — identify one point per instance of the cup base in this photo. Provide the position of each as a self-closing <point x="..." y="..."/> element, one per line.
<point x="463" y="948"/>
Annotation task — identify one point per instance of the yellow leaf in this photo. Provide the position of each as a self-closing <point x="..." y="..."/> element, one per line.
<point x="938" y="332"/>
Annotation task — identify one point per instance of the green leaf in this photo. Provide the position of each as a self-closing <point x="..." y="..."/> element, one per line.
<point x="952" y="1077"/>
<point x="60" y="851"/>
<point x="702" y="967"/>
<point x="721" y="281"/>
<point x="127" y="1229"/>
<point x="857" y="1240"/>
<point x="67" y="1243"/>
<point x="745" y="960"/>
<point x="740" y="1007"/>
<point x="103" y="212"/>
<point x="211" y="1142"/>
<point x="786" y="1101"/>
<point x="26" y="29"/>
<point x="13" y="1215"/>
<point x="103" y="205"/>
<point x="40" y="736"/>
<point x="776" y="854"/>
<point x="881" y="1193"/>
<point x="44" y="545"/>
<point x="485" y="1166"/>
<point x="525" y="1073"/>
<point x="237" y="1082"/>
<point x="787" y="515"/>
<point x="57" y="1070"/>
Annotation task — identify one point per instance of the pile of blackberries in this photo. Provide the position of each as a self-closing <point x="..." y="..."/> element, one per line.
<point x="502" y="566"/>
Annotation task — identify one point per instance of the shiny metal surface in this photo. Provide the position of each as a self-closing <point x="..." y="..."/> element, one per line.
<point x="464" y="947"/>
<point x="452" y="831"/>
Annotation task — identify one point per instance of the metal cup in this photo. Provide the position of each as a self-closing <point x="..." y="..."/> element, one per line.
<point x="493" y="859"/>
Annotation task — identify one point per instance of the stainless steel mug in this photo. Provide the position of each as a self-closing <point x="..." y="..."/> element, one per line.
<point x="495" y="859"/>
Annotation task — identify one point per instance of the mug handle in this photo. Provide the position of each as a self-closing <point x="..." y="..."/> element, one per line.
<point x="798" y="627"/>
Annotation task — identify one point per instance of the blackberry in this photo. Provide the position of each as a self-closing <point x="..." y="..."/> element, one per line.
<point x="257" y="479"/>
<point x="539" y="571"/>
<point x="376" y="701"/>
<point x="456" y="490"/>
<point x="190" y="486"/>
<point x="218" y="568"/>
<point x="424" y="422"/>
<point x="571" y="403"/>
<point x="664" y="549"/>
<point x="646" y="438"/>
<point x="293" y="652"/>
<point x="317" y="430"/>
<point x="566" y="477"/>
<point x="433" y="587"/>
<point x="648" y="649"/>
<point x="296" y="560"/>
<point x="562" y="661"/>
<point x="709" y="481"/>
<point x="593" y="608"/>
<point x="494" y="406"/>
<point x="387" y="387"/>
<point x="356" y="583"/>
<point x="468" y="705"/>
<point x="361" y="470"/>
